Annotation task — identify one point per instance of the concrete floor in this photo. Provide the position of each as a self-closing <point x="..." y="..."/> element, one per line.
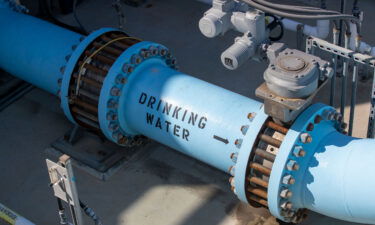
<point x="157" y="185"/>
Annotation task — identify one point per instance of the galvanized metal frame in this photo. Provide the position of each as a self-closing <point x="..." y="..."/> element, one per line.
<point x="348" y="56"/>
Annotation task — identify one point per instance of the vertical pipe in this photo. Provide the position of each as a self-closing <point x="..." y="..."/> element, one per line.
<point x="342" y="10"/>
<point x="344" y="77"/>
<point x="336" y="34"/>
<point x="354" y="90"/>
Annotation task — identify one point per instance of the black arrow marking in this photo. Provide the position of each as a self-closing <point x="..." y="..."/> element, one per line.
<point x="225" y="141"/>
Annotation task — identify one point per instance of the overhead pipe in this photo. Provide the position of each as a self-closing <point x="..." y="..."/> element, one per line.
<point x="125" y="88"/>
<point x="363" y="46"/>
<point x="321" y="30"/>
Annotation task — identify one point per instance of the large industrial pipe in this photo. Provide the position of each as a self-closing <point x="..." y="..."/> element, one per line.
<point x="126" y="88"/>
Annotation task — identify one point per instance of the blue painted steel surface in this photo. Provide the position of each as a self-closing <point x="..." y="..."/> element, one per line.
<point x="340" y="180"/>
<point x="34" y="50"/>
<point x="190" y="115"/>
<point x="335" y="177"/>
<point x="209" y="123"/>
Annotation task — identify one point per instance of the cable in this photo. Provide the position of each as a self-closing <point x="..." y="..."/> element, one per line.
<point x="90" y="213"/>
<point x="296" y="8"/>
<point x="46" y="7"/>
<point x="76" y="17"/>
<point x="298" y="16"/>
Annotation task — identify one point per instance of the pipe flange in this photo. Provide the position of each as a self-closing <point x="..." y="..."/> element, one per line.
<point x="113" y="89"/>
<point x="293" y="159"/>
<point x="70" y="67"/>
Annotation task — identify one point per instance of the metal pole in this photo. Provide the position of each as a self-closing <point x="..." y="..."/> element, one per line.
<point x="344" y="77"/>
<point x="336" y="34"/>
<point x="371" y="121"/>
<point x="354" y="89"/>
<point x="353" y="98"/>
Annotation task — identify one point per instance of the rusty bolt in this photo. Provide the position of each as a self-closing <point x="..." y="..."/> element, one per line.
<point x="310" y="127"/>
<point x="338" y="116"/>
<point x="251" y="116"/>
<point x="317" y="119"/>
<point x="163" y="52"/>
<point x="328" y="114"/>
<point x="306" y="138"/>
<point x="136" y="59"/>
<point x="145" y="53"/>
<point x="112" y="104"/>
<point x="231" y="181"/>
<point x="292" y="165"/>
<point x="286" y="193"/>
<point x="120" y="79"/>
<point x="115" y="91"/>
<point x="126" y="68"/>
<point x="153" y="50"/>
<point x="111" y="116"/>
<point x="286" y="205"/>
<point x="234" y="157"/>
<point x="288" y="179"/>
<point x="299" y="152"/>
<point x="113" y="126"/>
<point x="231" y="170"/>
<point x="238" y="142"/>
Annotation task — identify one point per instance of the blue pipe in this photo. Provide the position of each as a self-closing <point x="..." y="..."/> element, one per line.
<point x="146" y="95"/>
<point x="339" y="181"/>
<point x="335" y="177"/>
<point x="177" y="110"/>
<point x="34" y="50"/>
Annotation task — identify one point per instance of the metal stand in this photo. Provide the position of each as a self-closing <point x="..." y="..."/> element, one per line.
<point x="64" y="187"/>
<point x="90" y="152"/>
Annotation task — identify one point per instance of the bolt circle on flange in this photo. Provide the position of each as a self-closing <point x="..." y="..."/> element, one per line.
<point x="114" y="85"/>
<point x="298" y="147"/>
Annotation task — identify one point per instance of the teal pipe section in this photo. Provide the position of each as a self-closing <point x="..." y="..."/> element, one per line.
<point x="192" y="116"/>
<point x="34" y="50"/>
<point x="340" y="180"/>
